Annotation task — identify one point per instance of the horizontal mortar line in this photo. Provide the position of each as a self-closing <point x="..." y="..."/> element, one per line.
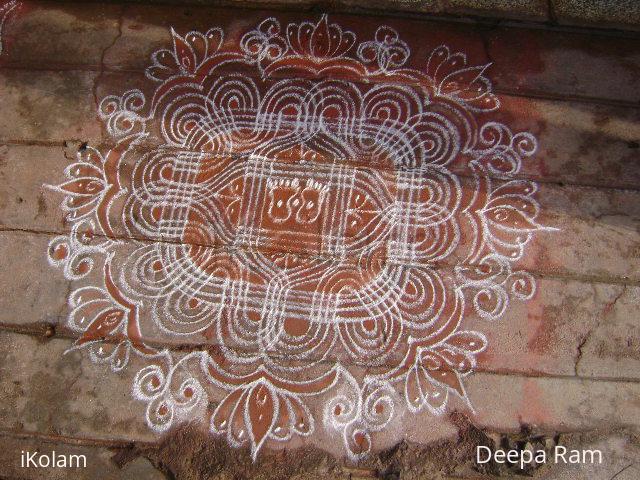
<point x="508" y="91"/>
<point x="143" y="149"/>
<point x="30" y="331"/>
<point x="76" y="441"/>
<point x="425" y="17"/>
<point x="479" y="477"/>
<point x="352" y="472"/>
<point x="64" y="333"/>
<point x="12" y="142"/>
<point x="564" y="97"/>
<point x="458" y="171"/>
<point x="583" y="278"/>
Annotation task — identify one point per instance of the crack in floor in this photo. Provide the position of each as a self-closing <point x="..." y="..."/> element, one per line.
<point x="605" y="312"/>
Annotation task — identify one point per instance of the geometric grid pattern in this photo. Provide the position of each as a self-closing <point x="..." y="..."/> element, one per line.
<point x="322" y="214"/>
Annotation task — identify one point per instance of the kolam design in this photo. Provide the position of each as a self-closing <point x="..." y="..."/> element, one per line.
<point x="310" y="213"/>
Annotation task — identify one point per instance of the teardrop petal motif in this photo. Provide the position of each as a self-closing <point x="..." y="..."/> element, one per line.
<point x="296" y="201"/>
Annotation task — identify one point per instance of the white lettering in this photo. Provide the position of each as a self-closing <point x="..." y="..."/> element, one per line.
<point x="592" y="454"/>
<point x="78" y="461"/>
<point x="42" y="460"/>
<point x="574" y="456"/>
<point x="31" y="459"/>
<point x="526" y="457"/>
<point x="560" y="451"/>
<point x="577" y="456"/>
<point x="482" y="448"/>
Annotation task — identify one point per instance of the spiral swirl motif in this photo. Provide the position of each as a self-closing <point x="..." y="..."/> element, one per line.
<point x="318" y="214"/>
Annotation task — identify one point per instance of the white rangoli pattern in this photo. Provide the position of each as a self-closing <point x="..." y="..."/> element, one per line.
<point x="300" y="211"/>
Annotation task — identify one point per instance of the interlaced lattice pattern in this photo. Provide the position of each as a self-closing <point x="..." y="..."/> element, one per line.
<point x="321" y="214"/>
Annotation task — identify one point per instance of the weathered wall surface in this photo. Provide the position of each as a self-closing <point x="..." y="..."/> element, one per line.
<point x="600" y="14"/>
<point x="560" y="368"/>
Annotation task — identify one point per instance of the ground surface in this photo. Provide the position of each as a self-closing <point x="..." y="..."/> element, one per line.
<point x="561" y="361"/>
